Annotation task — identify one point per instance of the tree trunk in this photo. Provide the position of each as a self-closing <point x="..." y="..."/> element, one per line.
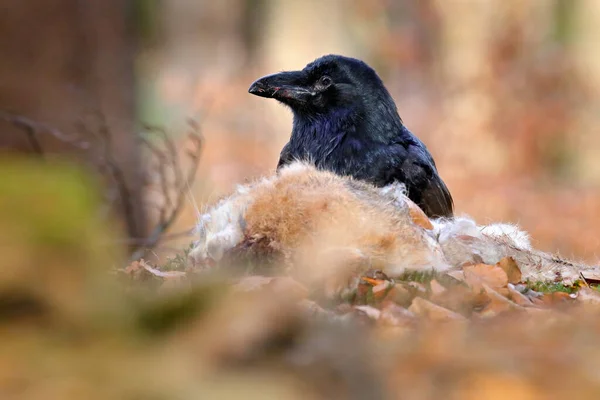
<point x="65" y="62"/>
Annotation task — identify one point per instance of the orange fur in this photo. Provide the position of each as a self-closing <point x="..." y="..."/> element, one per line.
<point x="305" y="212"/>
<point x="319" y="224"/>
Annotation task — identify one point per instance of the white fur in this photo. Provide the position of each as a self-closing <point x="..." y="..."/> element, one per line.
<point x="451" y="243"/>
<point x="296" y="167"/>
<point x="221" y="228"/>
<point x="445" y="229"/>
<point x="509" y="233"/>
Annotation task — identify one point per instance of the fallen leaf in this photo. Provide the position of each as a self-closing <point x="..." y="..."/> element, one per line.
<point x="497" y="304"/>
<point x="513" y="272"/>
<point x="591" y="277"/>
<point x="458" y="275"/>
<point x="457" y="298"/>
<point x="371" y="281"/>
<point x="399" y="294"/>
<point x="556" y="298"/>
<point x="418" y="216"/>
<point x="381" y="290"/>
<point x="436" y="287"/>
<point x="427" y="309"/>
<point x="479" y="274"/>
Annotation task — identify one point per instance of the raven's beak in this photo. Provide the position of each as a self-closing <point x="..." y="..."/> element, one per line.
<point x="284" y="86"/>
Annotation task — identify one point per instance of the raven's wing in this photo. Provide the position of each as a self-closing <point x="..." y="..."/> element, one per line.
<point x="425" y="187"/>
<point x="436" y="200"/>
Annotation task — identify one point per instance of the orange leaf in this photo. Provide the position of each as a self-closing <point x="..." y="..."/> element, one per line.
<point x="400" y="295"/>
<point x="556" y="298"/>
<point x="491" y="275"/>
<point x="418" y="216"/>
<point x="513" y="272"/>
<point x="436" y="287"/>
<point x="498" y="303"/>
<point x="458" y="275"/>
<point x="427" y="309"/>
<point x="373" y="282"/>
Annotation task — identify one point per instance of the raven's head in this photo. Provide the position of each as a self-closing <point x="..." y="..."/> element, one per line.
<point x="327" y="84"/>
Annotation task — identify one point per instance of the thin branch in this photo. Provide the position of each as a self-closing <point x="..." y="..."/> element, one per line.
<point x="155" y="237"/>
<point x="34" y="128"/>
<point x="173" y="193"/>
<point x="117" y="173"/>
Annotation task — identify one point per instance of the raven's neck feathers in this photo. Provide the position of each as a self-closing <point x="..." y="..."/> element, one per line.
<point x="381" y="124"/>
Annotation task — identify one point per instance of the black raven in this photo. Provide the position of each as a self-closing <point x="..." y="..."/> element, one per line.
<point x="346" y="121"/>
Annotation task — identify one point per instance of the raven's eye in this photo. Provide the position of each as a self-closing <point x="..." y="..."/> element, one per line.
<point x="325" y="81"/>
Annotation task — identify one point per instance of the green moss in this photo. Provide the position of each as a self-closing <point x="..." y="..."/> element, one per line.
<point x="551" y="287"/>
<point x="179" y="262"/>
<point x="418" y="276"/>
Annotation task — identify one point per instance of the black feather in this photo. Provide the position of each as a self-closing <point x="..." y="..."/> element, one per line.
<point x="346" y="121"/>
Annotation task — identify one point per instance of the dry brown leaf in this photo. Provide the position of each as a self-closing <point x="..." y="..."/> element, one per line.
<point x="481" y="300"/>
<point x="556" y="298"/>
<point x="497" y="303"/>
<point x="436" y="288"/>
<point x="513" y="272"/>
<point x="457" y="298"/>
<point x="491" y="275"/>
<point x="380" y="291"/>
<point x="427" y="309"/>
<point x="418" y="216"/>
<point x="591" y="277"/>
<point x="400" y="295"/>
<point x="458" y="275"/>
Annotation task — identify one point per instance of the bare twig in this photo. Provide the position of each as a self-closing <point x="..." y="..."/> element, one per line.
<point x="167" y="158"/>
<point x="33" y="128"/>
<point x="181" y="186"/>
<point x="115" y="172"/>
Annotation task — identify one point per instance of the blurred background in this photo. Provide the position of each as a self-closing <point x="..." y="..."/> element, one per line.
<point x="505" y="93"/>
